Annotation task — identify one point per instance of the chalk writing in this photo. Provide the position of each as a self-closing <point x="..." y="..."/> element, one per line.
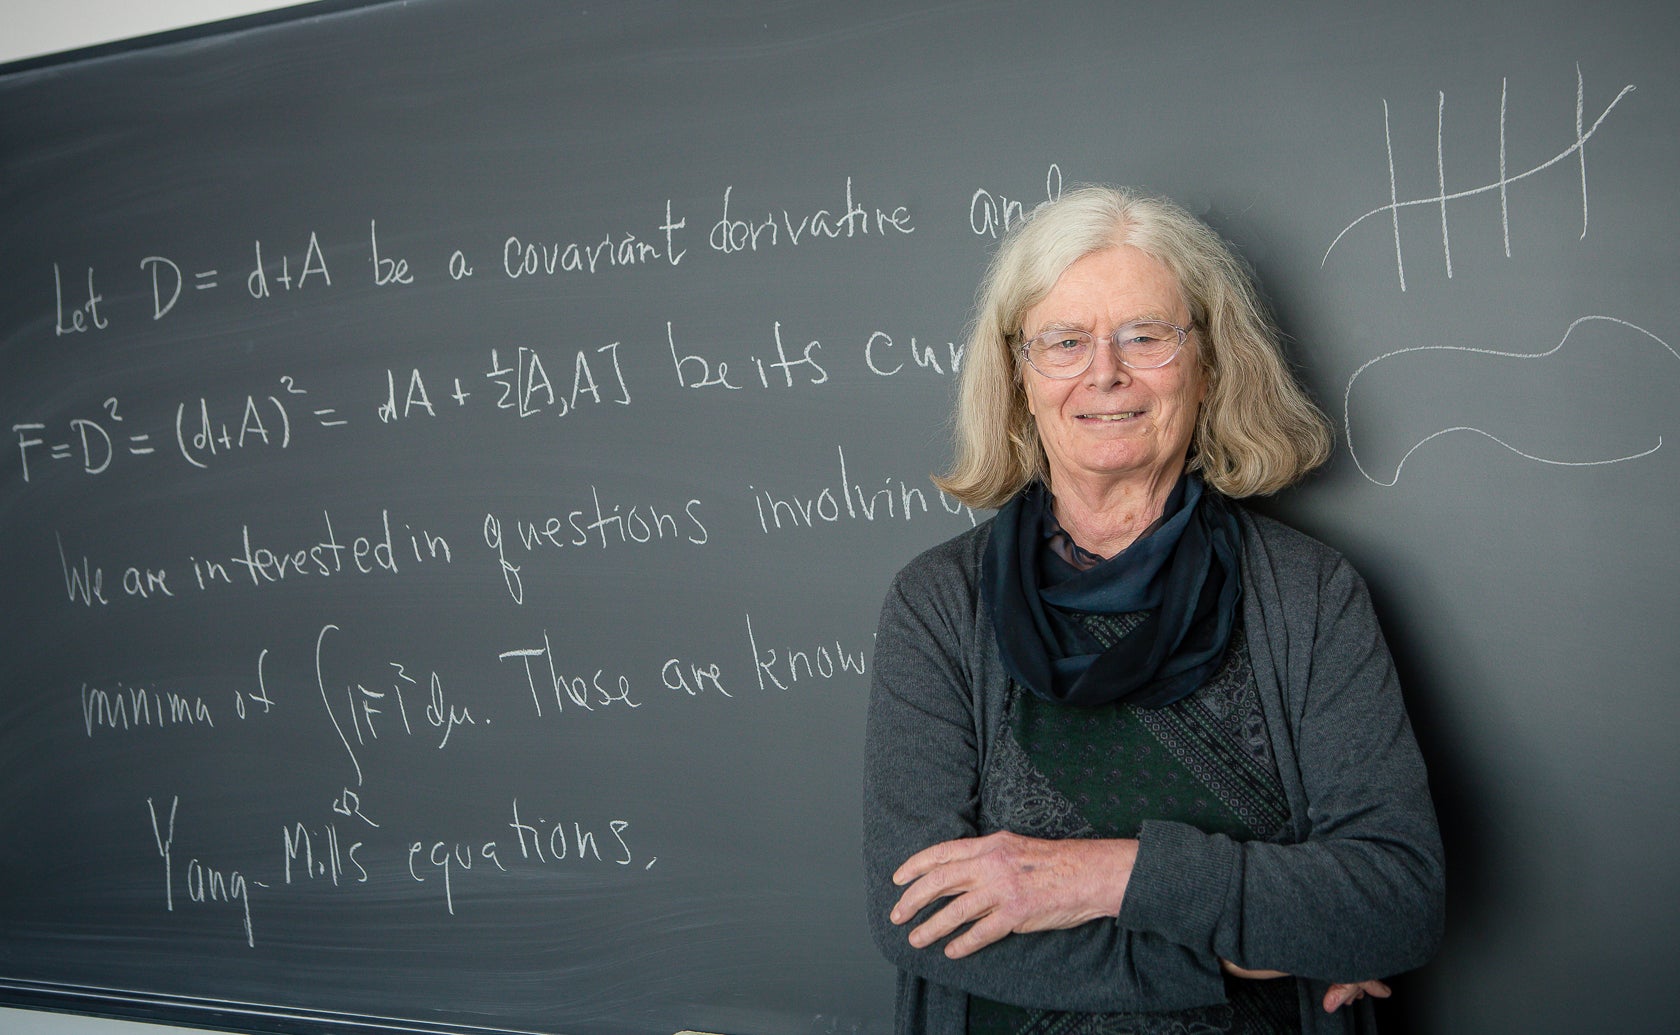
<point x="882" y="359"/>
<point x="83" y="316"/>
<point x="785" y="667"/>
<point x="692" y="678"/>
<point x="584" y="844"/>
<point x="299" y="848"/>
<point x="204" y="884"/>
<point x="246" y="701"/>
<point x="405" y="700"/>
<point x="603" y="523"/>
<point x="528" y="390"/>
<point x="852" y="502"/>
<point x="1347" y="402"/>
<point x="562" y="842"/>
<point x="163" y="271"/>
<point x="327" y="556"/>
<point x="263" y="419"/>
<point x="314" y="263"/>
<point x="1502" y="184"/>
<point x="87" y="432"/>
<point x="990" y="214"/>
<point x="730" y="234"/>
<point x="130" y="707"/>
<point x="386" y="271"/>
<point x="84" y="581"/>
<point x="798" y="367"/>
<point x="580" y="689"/>
<point x="522" y="258"/>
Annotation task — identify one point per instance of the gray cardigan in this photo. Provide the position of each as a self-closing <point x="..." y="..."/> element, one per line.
<point x="1357" y="895"/>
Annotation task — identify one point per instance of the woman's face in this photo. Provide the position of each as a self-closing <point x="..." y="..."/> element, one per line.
<point x="1114" y="427"/>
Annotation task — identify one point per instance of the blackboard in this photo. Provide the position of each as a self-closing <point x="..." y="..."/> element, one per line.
<point x="455" y="452"/>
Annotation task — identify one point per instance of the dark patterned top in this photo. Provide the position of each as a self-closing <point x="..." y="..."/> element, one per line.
<point x="1062" y="772"/>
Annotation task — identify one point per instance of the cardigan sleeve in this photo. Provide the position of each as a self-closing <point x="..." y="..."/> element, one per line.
<point x="1361" y="893"/>
<point x="922" y="786"/>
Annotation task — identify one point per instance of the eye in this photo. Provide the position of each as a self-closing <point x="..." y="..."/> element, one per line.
<point x="1147" y="334"/>
<point x="1064" y="344"/>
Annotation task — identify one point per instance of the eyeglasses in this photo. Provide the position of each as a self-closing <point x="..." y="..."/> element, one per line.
<point x="1143" y="345"/>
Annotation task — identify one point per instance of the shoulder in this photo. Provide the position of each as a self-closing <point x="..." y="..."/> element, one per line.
<point x="1275" y="553"/>
<point x="937" y="595"/>
<point x="1300" y="583"/>
<point x="1283" y="542"/>
<point x="953" y="566"/>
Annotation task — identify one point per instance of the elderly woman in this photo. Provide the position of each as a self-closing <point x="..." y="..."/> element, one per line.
<point x="1137" y="757"/>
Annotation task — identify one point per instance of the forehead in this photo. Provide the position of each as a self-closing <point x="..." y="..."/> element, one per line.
<point x="1115" y="284"/>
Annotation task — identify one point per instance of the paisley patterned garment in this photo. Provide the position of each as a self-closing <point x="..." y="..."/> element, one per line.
<point x="1065" y="772"/>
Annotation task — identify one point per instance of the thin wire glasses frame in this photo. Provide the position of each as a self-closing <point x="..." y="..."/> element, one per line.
<point x="1061" y="354"/>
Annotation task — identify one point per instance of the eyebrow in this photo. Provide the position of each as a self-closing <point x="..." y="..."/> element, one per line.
<point x="1149" y="316"/>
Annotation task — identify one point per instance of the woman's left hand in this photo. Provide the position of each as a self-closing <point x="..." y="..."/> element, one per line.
<point x="1004" y="883"/>
<point x="1337" y="997"/>
<point x="1341" y="995"/>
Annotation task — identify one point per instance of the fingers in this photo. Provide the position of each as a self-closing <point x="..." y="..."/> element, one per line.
<point x="961" y="910"/>
<point x="939" y="871"/>
<point x="938" y="855"/>
<point x="930" y="887"/>
<point x="993" y="927"/>
<point x="1249" y="975"/>
<point x="1343" y="994"/>
<point x="1004" y="883"/>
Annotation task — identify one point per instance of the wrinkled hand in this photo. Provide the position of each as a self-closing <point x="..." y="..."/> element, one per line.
<point x="1338" y="996"/>
<point x="1005" y="883"/>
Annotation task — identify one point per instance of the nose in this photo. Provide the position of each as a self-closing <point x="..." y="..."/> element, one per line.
<point x="1106" y="368"/>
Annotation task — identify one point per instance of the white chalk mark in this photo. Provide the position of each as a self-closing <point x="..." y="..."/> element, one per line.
<point x="1441" y="175"/>
<point x="321" y="682"/>
<point x="1393" y="201"/>
<point x="1578" y="147"/>
<point x="1504" y="193"/>
<point x="1347" y="405"/>
<point x="1581" y="144"/>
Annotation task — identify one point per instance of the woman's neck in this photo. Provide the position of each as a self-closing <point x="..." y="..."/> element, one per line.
<point x="1105" y="520"/>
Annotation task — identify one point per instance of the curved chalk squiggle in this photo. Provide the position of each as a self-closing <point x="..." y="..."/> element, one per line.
<point x="1347" y="404"/>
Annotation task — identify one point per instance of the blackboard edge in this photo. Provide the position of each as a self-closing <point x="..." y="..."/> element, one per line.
<point x="297" y="11"/>
<point x="217" y="1015"/>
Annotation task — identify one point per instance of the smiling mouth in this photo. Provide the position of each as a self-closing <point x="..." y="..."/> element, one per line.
<point x="1109" y="418"/>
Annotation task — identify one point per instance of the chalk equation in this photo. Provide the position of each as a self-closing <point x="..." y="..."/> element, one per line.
<point x="200" y="431"/>
<point x="1576" y="150"/>
<point x="1356" y="445"/>
<point x="81" y="306"/>
<point x="364" y="704"/>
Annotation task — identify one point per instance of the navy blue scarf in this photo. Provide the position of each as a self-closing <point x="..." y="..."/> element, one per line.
<point x="1183" y="574"/>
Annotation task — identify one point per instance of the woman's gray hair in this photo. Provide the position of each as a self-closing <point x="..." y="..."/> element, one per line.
<point x="1256" y="431"/>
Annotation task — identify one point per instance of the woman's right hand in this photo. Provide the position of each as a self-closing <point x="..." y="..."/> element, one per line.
<point x="1004" y="883"/>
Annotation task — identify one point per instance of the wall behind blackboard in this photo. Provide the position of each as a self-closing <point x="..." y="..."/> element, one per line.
<point x="489" y="648"/>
